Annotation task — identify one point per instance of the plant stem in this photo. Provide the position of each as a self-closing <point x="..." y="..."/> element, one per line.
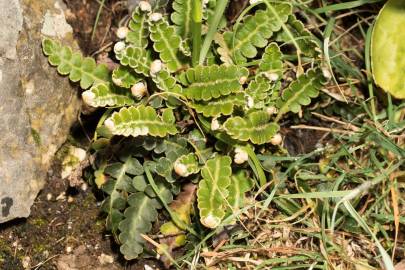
<point x="367" y="57"/>
<point x="176" y="220"/>
<point x="196" y="30"/>
<point x="212" y="29"/>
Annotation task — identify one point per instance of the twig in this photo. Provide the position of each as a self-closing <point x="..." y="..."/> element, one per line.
<point x="332" y="130"/>
<point x="331" y="119"/>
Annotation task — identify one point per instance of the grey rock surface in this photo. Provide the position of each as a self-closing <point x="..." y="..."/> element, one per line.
<point x="37" y="106"/>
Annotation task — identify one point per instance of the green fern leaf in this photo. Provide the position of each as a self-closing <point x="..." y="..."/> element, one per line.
<point x="79" y="68"/>
<point x="125" y="77"/>
<point x="186" y="165"/>
<point x="208" y="82"/>
<point x="102" y="95"/>
<point x="138" y="34"/>
<point x="138" y="218"/>
<point x="164" y="168"/>
<point x="240" y="184"/>
<point x="303" y="38"/>
<point x="259" y="91"/>
<point x="137" y="58"/>
<point x="255" y="127"/>
<point x="182" y="17"/>
<point x="141" y="120"/>
<point x="219" y="106"/>
<point x="167" y="43"/>
<point x="120" y="182"/>
<point x="271" y="64"/>
<point x="255" y="32"/>
<point x="167" y="83"/>
<point x="213" y="190"/>
<point x="223" y="50"/>
<point x="300" y="92"/>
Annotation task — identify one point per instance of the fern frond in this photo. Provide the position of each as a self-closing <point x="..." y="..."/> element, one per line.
<point x="255" y="32"/>
<point x="186" y="165"/>
<point x="255" y="127"/>
<point x="223" y="50"/>
<point x="208" y="82"/>
<point x="120" y="182"/>
<point x="300" y="92"/>
<point x="303" y="38"/>
<point x="79" y="68"/>
<point x="102" y="95"/>
<point x="125" y="77"/>
<point x="182" y="17"/>
<point x="166" y="82"/>
<point x="141" y="120"/>
<point x="259" y="90"/>
<point x="137" y="58"/>
<point x="164" y="168"/>
<point x="213" y="190"/>
<point x="139" y="30"/>
<point x="219" y="106"/>
<point x="271" y="64"/>
<point x="167" y="43"/>
<point x="240" y="184"/>
<point x="138" y="218"/>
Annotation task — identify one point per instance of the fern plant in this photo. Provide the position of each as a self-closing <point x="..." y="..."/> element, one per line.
<point x="174" y="123"/>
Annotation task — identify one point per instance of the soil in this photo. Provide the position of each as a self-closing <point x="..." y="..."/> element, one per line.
<point x="82" y="16"/>
<point x="64" y="232"/>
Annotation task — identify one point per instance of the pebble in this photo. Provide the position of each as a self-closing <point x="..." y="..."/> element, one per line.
<point x="61" y="196"/>
<point x="69" y="249"/>
<point x="84" y="186"/>
<point x="105" y="259"/>
<point x="26" y="262"/>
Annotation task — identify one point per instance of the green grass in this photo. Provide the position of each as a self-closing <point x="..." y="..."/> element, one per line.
<point x="332" y="207"/>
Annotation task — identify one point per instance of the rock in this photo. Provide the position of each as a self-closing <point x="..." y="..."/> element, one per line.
<point x="105" y="259"/>
<point x="37" y="106"/>
<point x="81" y="259"/>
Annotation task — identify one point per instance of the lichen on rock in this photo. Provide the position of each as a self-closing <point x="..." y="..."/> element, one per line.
<point x="37" y="106"/>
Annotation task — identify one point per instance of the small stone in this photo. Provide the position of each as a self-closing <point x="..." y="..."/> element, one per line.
<point x="61" y="196"/>
<point x="84" y="186"/>
<point x="49" y="196"/>
<point x="26" y="262"/>
<point x="105" y="259"/>
<point x="69" y="249"/>
<point x="79" y="153"/>
<point x="70" y="199"/>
